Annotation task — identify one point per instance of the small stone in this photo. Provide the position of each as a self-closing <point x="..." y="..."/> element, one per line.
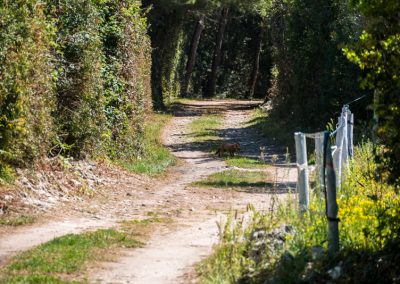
<point x="317" y="252"/>
<point x="335" y="272"/>
<point x="8" y="197"/>
<point x="128" y="194"/>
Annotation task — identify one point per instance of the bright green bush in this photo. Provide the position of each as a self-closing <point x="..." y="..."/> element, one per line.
<point x="26" y="89"/>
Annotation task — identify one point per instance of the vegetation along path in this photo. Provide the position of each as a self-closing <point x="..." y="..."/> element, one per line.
<point x="185" y="201"/>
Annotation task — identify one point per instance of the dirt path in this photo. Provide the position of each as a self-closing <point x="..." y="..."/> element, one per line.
<point x="169" y="254"/>
<point x="166" y="258"/>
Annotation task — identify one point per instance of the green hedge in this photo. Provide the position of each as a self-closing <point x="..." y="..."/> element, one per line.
<point x="78" y="63"/>
<point x="74" y="79"/>
<point x="26" y="83"/>
<point x="126" y="74"/>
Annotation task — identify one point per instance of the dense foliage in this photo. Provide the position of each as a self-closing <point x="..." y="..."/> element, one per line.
<point x="173" y="24"/>
<point x="287" y="51"/>
<point x="378" y="54"/>
<point x="74" y="79"/>
<point x="26" y="86"/>
<point x="312" y="78"/>
<point x="78" y="65"/>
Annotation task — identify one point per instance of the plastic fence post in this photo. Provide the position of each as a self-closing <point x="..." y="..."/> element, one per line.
<point x="319" y="152"/>
<point x="332" y="207"/>
<point x="337" y="156"/>
<point x="345" y="144"/>
<point x="302" y="169"/>
<point x="350" y="129"/>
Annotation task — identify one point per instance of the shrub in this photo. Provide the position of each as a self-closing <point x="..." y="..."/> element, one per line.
<point x="126" y="74"/>
<point x="78" y="64"/>
<point x="26" y="88"/>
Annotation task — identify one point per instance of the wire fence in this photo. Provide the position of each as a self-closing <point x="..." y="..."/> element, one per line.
<point x="332" y="153"/>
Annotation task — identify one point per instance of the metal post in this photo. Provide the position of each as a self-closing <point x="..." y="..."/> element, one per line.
<point x="331" y="204"/>
<point x="302" y="169"/>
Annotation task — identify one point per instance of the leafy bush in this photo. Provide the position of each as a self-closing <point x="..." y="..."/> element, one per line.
<point x="78" y="63"/>
<point x="26" y="87"/>
<point x="126" y="74"/>
<point x="74" y="79"/>
<point x="377" y="53"/>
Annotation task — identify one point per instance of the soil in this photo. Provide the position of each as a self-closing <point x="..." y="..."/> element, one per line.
<point x="172" y="250"/>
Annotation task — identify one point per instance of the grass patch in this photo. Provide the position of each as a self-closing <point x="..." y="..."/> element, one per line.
<point x="16" y="220"/>
<point x="205" y="128"/>
<point x="156" y="158"/>
<point x="246" y="163"/>
<point x="235" y="178"/>
<point x="64" y="255"/>
<point x="146" y="221"/>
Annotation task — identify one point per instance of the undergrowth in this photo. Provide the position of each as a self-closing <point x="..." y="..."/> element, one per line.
<point x="271" y="128"/>
<point x="369" y="212"/>
<point x="155" y="158"/>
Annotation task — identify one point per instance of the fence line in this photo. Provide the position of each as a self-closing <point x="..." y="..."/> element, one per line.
<point x="330" y="162"/>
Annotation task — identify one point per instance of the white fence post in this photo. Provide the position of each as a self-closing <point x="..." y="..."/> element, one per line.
<point x="350" y="129"/>
<point x="337" y="153"/>
<point x="345" y="144"/>
<point x="302" y="169"/>
<point x="319" y="152"/>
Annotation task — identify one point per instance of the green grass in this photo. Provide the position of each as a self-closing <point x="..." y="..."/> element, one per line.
<point x="235" y="178"/>
<point x="246" y="163"/>
<point x="230" y="259"/>
<point x="146" y="221"/>
<point x="205" y="128"/>
<point x="65" y="255"/>
<point x="16" y="220"/>
<point x="156" y="158"/>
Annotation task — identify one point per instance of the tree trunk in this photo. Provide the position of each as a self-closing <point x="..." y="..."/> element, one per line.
<point x="212" y="78"/>
<point x="256" y="63"/>
<point x="192" y="55"/>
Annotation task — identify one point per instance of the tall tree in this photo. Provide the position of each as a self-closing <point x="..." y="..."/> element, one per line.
<point x="192" y="55"/>
<point x="212" y="78"/>
<point x="256" y="64"/>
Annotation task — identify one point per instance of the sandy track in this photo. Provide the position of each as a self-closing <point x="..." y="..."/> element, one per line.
<point x="167" y="258"/>
<point x="168" y="255"/>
